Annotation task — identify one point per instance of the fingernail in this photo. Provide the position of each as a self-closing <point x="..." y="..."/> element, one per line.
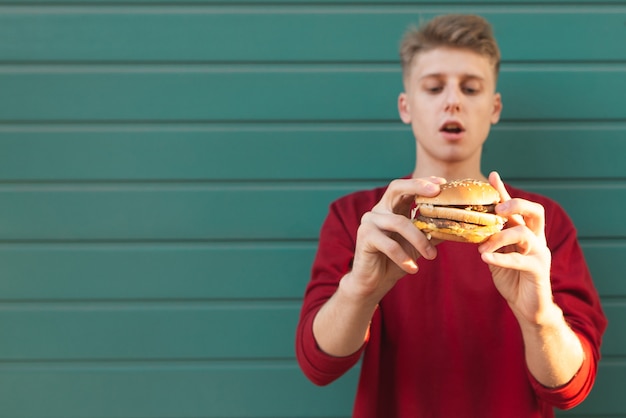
<point x="411" y="264"/>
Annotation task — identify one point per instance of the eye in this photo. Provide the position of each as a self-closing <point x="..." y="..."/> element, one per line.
<point x="433" y="89"/>
<point x="470" y="88"/>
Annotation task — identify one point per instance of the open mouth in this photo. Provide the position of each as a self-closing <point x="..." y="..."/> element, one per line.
<point x="452" y="128"/>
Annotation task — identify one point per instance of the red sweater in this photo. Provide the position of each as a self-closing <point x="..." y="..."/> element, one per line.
<point x="443" y="342"/>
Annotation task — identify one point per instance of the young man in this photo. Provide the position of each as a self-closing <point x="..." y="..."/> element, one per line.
<point x="508" y="328"/>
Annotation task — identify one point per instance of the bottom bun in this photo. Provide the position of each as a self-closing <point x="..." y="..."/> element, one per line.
<point x="475" y="235"/>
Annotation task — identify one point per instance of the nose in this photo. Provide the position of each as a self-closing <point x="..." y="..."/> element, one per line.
<point x="453" y="101"/>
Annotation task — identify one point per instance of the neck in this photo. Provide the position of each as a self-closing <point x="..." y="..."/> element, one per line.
<point x="449" y="171"/>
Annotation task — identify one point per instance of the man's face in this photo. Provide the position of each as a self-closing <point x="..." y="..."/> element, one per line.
<point x="450" y="102"/>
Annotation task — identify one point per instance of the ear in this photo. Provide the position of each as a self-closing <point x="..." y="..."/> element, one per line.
<point x="497" y="108"/>
<point x="403" y="108"/>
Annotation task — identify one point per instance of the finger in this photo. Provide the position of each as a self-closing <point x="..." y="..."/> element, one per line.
<point x="401" y="192"/>
<point x="437" y="180"/>
<point x="513" y="261"/>
<point x="396" y="253"/>
<point x="519" y="237"/>
<point x="403" y="228"/>
<point x="534" y="264"/>
<point x="379" y="242"/>
<point x="533" y="214"/>
<point x="496" y="181"/>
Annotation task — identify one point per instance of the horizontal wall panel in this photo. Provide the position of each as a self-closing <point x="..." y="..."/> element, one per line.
<point x="176" y="330"/>
<point x="291" y="33"/>
<point x="159" y="330"/>
<point x="231" y="153"/>
<point x="170" y="212"/>
<point x="240" y="390"/>
<point x="314" y="152"/>
<point x="560" y="151"/>
<point x="215" y="212"/>
<point x="198" y="271"/>
<point x="614" y="339"/>
<point x="422" y="3"/>
<point x="153" y="271"/>
<point x="297" y="2"/>
<point x="606" y="259"/>
<point x="579" y="201"/>
<point x="296" y="93"/>
<point x="119" y="391"/>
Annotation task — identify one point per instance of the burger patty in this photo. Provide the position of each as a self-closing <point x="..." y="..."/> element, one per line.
<point x="477" y="208"/>
<point x="446" y="223"/>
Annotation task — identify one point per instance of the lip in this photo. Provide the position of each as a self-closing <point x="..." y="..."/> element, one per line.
<point x="452" y="136"/>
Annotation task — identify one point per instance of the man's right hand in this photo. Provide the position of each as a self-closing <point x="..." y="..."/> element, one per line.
<point x="388" y="244"/>
<point x="387" y="247"/>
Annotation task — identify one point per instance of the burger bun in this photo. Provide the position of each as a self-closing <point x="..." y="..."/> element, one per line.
<point x="463" y="211"/>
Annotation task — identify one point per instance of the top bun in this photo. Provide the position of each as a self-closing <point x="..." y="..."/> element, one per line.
<point x="463" y="192"/>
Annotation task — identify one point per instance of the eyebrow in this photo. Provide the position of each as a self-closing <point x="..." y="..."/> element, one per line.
<point x="463" y="76"/>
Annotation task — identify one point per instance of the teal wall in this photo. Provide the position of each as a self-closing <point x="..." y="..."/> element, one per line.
<point x="165" y="167"/>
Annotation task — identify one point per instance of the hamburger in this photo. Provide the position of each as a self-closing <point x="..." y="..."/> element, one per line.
<point x="464" y="211"/>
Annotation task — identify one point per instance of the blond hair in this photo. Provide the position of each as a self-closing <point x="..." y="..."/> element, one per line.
<point x="460" y="31"/>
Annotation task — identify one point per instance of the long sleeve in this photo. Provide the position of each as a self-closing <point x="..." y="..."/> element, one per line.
<point x="574" y="292"/>
<point x="333" y="260"/>
<point x="576" y="390"/>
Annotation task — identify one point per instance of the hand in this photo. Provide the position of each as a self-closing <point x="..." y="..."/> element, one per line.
<point x="520" y="259"/>
<point x="388" y="244"/>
